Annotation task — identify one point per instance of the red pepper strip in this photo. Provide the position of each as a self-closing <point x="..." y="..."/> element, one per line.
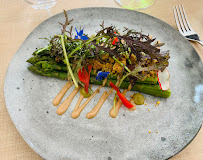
<point x="114" y="86"/>
<point x="84" y="76"/>
<point x="115" y="40"/>
<point x="121" y="96"/>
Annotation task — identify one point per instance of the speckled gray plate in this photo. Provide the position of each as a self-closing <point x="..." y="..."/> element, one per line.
<point x="177" y="119"/>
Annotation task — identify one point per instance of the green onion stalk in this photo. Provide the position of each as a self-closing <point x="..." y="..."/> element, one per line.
<point x="67" y="62"/>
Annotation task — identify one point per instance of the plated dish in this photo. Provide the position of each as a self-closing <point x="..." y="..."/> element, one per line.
<point x="129" y="60"/>
<point x="132" y="135"/>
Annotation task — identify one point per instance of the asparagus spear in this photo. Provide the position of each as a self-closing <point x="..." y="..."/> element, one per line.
<point x="145" y="88"/>
<point x="52" y="65"/>
<point x="36" y="59"/>
<point x="56" y="74"/>
<point x="152" y="89"/>
<point x="148" y="80"/>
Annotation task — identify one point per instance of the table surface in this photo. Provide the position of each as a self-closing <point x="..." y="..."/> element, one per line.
<point x="18" y="19"/>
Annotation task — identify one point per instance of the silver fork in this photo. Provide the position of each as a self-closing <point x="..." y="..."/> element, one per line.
<point x="183" y="24"/>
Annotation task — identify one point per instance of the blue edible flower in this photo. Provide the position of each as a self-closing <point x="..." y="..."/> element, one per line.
<point x="101" y="75"/>
<point x="80" y="35"/>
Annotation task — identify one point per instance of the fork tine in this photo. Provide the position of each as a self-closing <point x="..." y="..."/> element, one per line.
<point x="180" y="20"/>
<point x="176" y="19"/>
<point x="188" y="24"/>
<point x="183" y="18"/>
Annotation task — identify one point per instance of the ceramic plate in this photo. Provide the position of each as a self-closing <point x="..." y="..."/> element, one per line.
<point x="177" y="119"/>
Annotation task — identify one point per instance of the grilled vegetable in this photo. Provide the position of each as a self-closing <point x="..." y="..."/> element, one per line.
<point x="43" y="65"/>
<point x="131" y="57"/>
<point x="152" y="89"/>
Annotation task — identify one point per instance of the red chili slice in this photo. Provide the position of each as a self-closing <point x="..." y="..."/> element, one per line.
<point x="121" y="96"/>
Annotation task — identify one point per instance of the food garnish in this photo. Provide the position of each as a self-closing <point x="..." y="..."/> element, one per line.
<point x="84" y="93"/>
<point x="157" y="103"/>
<point x="80" y="35"/>
<point x="101" y="75"/>
<point x="61" y="94"/>
<point x="84" y="76"/>
<point x="163" y="79"/>
<point x="129" y="60"/>
<point x="121" y="96"/>
<point x="138" y="98"/>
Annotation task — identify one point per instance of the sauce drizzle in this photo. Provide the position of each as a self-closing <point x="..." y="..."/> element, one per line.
<point x="76" y="112"/>
<point x="61" y="94"/>
<point x="64" y="106"/>
<point x="133" y="103"/>
<point x="114" y="111"/>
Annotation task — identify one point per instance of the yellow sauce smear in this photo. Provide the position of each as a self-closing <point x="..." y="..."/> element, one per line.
<point x="64" y="106"/>
<point x="134" y="105"/>
<point x="76" y="112"/>
<point x="103" y="98"/>
<point x="61" y="94"/>
<point x="97" y="107"/>
<point x="114" y="112"/>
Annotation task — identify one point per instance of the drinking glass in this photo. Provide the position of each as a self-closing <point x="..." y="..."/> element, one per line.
<point x="135" y="4"/>
<point x="41" y="4"/>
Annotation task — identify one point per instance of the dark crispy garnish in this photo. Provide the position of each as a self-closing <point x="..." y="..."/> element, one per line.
<point x="112" y="52"/>
<point x="67" y="22"/>
<point x="130" y="54"/>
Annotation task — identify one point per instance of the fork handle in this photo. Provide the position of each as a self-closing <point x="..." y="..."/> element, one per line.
<point x="200" y="42"/>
